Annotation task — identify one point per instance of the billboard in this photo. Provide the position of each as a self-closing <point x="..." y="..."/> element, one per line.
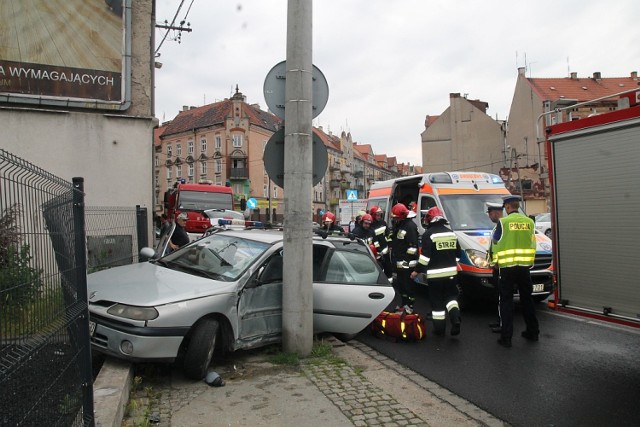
<point x="71" y="53"/>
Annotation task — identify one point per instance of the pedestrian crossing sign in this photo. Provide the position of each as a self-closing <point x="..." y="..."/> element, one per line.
<point x="352" y="195"/>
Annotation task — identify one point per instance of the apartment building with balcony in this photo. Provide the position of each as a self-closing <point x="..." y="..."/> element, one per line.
<point x="221" y="143"/>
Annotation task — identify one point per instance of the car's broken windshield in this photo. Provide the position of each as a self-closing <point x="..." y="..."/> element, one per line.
<point x="219" y="255"/>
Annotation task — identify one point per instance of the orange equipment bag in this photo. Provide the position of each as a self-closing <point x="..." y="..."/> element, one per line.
<point x="398" y="326"/>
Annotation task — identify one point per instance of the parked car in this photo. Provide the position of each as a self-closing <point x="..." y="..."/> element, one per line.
<point x="543" y="224"/>
<point x="223" y="292"/>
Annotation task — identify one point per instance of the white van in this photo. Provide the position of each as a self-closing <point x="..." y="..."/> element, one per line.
<point x="463" y="196"/>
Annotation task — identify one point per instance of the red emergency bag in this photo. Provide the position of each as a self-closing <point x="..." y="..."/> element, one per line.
<point x="398" y="326"/>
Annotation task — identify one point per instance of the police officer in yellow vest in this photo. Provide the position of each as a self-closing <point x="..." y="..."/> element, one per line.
<point x="513" y="250"/>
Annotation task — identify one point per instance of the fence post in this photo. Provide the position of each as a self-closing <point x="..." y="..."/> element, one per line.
<point x="142" y="227"/>
<point x="80" y="246"/>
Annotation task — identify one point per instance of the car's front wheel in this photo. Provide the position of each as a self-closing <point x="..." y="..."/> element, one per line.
<point x="200" y="351"/>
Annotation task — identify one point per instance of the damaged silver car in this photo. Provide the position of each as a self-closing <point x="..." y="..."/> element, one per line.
<point x="224" y="293"/>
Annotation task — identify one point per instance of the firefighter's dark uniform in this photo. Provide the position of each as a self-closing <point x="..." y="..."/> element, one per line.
<point x="513" y="250"/>
<point x="439" y="260"/>
<point x="365" y="234"/>
<point x="331" y="229"/>
<point x="404" y="255"/>
<point x="381" y="242"/>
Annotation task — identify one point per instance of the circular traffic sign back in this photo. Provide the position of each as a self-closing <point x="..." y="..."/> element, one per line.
<point x="274" y="87"/>
<point x="274" y="158"/>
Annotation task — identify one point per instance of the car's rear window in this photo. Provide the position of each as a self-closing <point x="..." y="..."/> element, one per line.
<point x="351" y="267"/>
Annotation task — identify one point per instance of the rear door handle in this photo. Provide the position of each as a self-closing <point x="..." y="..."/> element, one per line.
<point x="376" y="295"/>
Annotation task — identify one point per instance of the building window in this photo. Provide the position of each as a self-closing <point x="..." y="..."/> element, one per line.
<point x="179" y="171"/>
<point x="237" y="140"/>
<point x="203" y="168"/>
<point x="190" y="172"/>
<point x="169" y="174"/>
<point x="265" y="190"/>
<point x="218" y="180"/>
<point x="156" y="161"/>
<point x="190" y="148"/>
<point x="203" y="145"/>
<point x="275" y="192"/>
<point x="178" y="150"/>
<point x="218" y="166"/>
<point x="169" y="151"/>
<point x="218" y="142"/>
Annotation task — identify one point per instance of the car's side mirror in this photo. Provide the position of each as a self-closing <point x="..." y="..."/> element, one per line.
<point x="146" y="254"/>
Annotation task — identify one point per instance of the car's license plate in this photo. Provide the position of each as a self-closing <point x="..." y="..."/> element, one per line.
<point x="538" y="287"/>
<point x="92" y="328"/>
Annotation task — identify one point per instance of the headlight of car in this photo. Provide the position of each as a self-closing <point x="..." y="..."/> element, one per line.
<point x="132" y="312"/>
<point x="478" y="258"/>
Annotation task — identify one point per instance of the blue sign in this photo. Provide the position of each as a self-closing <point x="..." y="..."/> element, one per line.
<point x="352" y="195"/>
<point x="252" y="203"/>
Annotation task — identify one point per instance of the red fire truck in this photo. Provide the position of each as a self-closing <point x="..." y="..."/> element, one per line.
<point x="194" y="199"/>
<point x="595" y="189"/>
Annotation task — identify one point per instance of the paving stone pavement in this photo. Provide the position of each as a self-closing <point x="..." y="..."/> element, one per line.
<point x="358" y="387"/>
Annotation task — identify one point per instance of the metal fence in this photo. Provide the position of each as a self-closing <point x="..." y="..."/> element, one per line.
<point x="45" y="357"/>
<point x="115" y="236"/>
<point x="46" y="373"/>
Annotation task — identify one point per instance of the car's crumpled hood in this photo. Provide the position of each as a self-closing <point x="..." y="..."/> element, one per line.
<point x="147" y="284"/>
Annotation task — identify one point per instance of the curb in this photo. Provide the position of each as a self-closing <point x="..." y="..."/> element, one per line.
<point x="111" y="392"/>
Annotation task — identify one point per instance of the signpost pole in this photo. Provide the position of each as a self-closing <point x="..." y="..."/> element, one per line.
<point x="297" y="292"/>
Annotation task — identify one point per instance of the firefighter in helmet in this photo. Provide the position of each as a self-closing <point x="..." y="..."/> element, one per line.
<point x="329" y="224"/>
<point x="363" y="230"/>
<point x="404" y="254"/>
<point x="439" y="262"/>
<point x="382" y="239"/>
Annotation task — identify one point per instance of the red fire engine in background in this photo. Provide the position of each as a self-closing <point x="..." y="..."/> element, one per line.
<point x="194" y="199"/>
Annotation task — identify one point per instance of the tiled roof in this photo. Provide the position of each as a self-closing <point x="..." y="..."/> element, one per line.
<point x="428" y="121"/>
<point x="216" y="113"/>
<point x="330" y="141"/>
<point x="157" y="132"/>
<point x="581" y="89"/>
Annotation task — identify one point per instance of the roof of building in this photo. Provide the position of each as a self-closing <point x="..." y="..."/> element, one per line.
<point x="330" y="141"/>
<point x="582" y="88"/>
<point x="216" y="114"/>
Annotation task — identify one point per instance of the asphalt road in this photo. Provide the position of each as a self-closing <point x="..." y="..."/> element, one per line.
<point x="580" y="373"/>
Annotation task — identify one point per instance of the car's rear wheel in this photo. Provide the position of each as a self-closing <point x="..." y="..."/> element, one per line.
<point x="345" y="337"/>
<point x="200" y="351"/>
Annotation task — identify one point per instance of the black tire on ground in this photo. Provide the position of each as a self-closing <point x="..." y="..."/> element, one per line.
<point x="548" y="233"/>
<point x="200" y="351"/>
<point x="345" y="337"/>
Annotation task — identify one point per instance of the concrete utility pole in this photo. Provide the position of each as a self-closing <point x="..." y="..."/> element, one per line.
<point x="297" y="293"/>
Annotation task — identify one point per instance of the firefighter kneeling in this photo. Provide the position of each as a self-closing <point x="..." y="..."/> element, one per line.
<point x="439" y="260"/>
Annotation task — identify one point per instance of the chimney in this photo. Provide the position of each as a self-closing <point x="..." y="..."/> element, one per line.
<point x="574" y="75"/>
<point x="634" y="75"/>
<point x="454" y="95"/>
<point x="521" y="71"/>
<point x="185" y="108"/>
<point x="597" y="75"/>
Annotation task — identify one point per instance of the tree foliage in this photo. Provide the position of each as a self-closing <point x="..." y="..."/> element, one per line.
<point x="19" y="281"/>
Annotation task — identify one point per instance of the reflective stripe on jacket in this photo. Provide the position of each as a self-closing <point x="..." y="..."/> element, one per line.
<point x="517" y="243"/>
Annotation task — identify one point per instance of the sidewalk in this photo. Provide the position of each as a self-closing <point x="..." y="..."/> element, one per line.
<point x="359" y="387"/>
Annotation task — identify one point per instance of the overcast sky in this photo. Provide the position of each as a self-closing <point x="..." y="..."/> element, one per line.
<point x="389" y="63"/>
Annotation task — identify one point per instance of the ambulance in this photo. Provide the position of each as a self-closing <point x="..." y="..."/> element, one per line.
<point x="463" y="196"/>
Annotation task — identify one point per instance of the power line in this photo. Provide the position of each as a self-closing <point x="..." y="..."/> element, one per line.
<point x="173" y="27"/>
